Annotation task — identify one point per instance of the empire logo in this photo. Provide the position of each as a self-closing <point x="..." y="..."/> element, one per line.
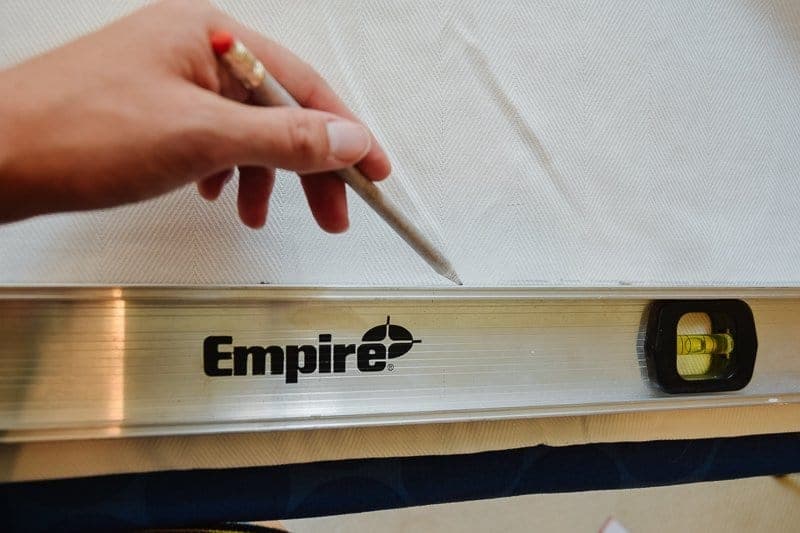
<point x="379" y="344"/>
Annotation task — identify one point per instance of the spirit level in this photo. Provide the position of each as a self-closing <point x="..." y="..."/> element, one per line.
<point x="91" y="362"/>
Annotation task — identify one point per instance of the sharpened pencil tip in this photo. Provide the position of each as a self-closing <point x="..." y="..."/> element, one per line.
<point x="452" y="276"/>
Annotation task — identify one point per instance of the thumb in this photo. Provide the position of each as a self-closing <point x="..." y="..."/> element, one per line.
<point x="303" y="140"/>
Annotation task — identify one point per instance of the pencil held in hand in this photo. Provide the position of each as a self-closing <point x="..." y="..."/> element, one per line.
<point x="266" y="91"/>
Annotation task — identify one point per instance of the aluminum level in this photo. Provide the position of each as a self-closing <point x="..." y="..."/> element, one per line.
<point x="107" y="361"/>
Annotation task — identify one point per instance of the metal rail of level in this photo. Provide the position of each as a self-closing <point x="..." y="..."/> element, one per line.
<point x="82" y="362"/>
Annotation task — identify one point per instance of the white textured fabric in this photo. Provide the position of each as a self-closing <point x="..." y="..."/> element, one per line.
<point x="542" y="143"/>
<point x="63" y="459"/>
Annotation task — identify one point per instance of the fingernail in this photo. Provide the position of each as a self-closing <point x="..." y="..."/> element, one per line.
<point x="347" y="141"/>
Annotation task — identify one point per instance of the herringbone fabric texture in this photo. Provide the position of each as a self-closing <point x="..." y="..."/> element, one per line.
<point x="542" y="143"/>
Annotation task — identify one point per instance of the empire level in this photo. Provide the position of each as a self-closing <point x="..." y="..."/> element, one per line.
<point x="82" y="362"/>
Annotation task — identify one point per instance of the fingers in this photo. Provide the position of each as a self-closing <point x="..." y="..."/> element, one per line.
<point x="255" y="188"/>
<point x="230" y="87"/>
<point x="295" y="139"/>
<point x="328" y="201"/>
<point x="325" y="194"/>
<point x="307" y="141"/>
<point x="211" y="187"/>
<point x="302" y="140"/>
<point x="308" y="88"/>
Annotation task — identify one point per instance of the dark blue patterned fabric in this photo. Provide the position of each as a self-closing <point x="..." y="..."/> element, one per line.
<point x="198" y="497"/>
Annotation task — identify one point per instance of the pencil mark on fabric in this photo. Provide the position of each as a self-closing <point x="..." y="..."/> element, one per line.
<point x="511" y="111"/>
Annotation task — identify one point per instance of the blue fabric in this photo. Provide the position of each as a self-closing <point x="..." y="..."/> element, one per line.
<point x="199" y="497"/>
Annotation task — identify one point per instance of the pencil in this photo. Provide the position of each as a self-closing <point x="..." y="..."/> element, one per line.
<point x="267" y="91"/>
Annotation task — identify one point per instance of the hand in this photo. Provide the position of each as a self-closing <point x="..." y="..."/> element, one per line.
<point x="143" y="107"/>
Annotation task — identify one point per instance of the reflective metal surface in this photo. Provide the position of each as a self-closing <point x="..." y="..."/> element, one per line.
<point x="82" y="362"/>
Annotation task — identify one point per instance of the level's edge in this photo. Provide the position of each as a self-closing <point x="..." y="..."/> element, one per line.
<point x="677" y="405"/>
<point x="266" y="293"/>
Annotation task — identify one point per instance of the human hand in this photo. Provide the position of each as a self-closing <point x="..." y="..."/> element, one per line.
<point x="143" y="107"/>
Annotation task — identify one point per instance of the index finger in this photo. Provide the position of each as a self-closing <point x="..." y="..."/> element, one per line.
<point x="308" y="88"/>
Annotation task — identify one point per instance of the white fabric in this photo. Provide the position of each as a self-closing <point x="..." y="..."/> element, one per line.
<point x="543" y="143"/>
<point x="63" y="459"/>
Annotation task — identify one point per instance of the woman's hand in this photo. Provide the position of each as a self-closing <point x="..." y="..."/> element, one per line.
<point x="143" y="107"/>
